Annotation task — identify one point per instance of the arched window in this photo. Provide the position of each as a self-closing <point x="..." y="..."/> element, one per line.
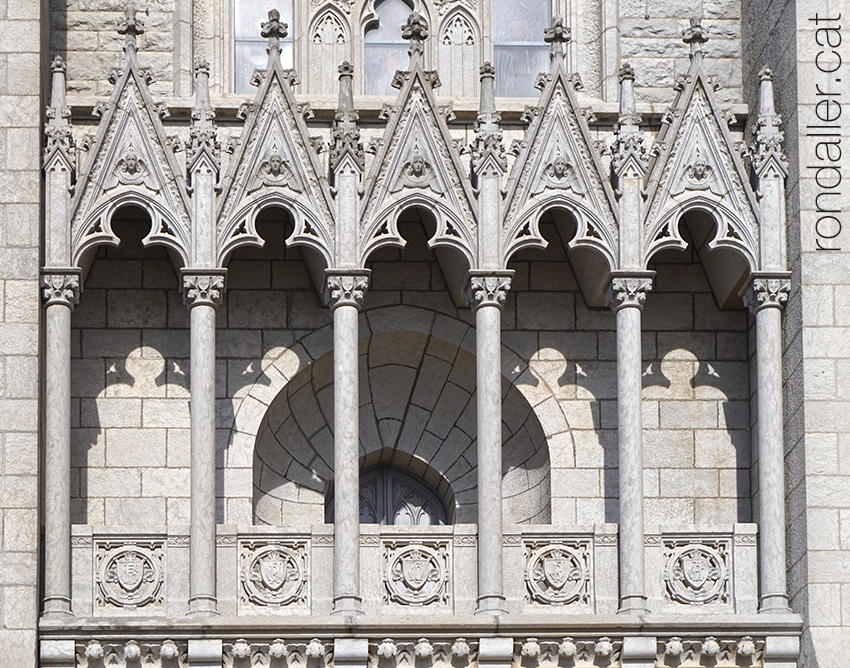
<point x="518" y="46"/>
<point x="250" y="48"/>
<point x="384" y="51"/>
<point x="391" y="496"/>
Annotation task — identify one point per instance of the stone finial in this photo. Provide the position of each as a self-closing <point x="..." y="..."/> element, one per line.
<point x="274" y="31"/>
<point x="630" y="158"/>
<point x="202" y="135"/>
<point x="557" y="36"/>
<point x="58" y="127"/>
<point x="628" y="104"/>
<point x="346" y="136"/>
<point x="416" y="31"/>
<point x="768" y="136"/>
<point x="695" y="36"/>
<point x="131" y="27"/>
<point x="488" y="136"/>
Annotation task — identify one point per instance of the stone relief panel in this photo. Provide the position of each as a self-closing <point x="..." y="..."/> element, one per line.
<point x="697" y="574"/>
<point x="558" y="573"/>
<point x="274" y="575"/>
<point x="119" y="654"/>
<point x="128" y="575"/>
<point x="417" y="573"/>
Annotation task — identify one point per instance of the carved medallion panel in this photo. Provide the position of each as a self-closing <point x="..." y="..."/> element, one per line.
<point x="274" y="574"/>
<point x="697" y="573"/>
<point x="558" y="573"/>
<point x="129" y="575"/>
<point x="417" y="573"/>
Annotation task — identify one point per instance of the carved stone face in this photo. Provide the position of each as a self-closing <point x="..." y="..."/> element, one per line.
<point x="417" y="165"/>
<point x="559" y="167"/>
<point x="131" y="163"/>
<point x="275" y="164"/>
<point x="700" y="169"/>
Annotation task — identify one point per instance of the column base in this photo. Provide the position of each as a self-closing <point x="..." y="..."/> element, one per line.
<point x="774" y="603"/>
<point x="633" y="604"/>
<point x="350" y="606"/>
<point x="202" y="605"/>
<point x="57" y="606"/>
<point x="491" y="604"/>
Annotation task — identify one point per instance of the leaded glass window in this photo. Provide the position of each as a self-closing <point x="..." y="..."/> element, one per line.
<point x="518" y="46"/>
<point x="392" y="496"/>
<point x="250" y="47"/>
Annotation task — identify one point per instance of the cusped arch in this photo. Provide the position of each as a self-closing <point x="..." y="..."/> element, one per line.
<point x="309" y="230"/>
<point x="459" y="27"/>
<point x="731" y="232"/>
<point x="452" y="231"/>
<point x="329" y="26"/>
<point x="96" y="228"/>
<point x="592" y="232"/>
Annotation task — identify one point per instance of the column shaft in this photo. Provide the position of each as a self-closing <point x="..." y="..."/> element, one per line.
<point x="488" y="346"/>
<point x="771" y="460"/>
<point x="57" y="463"/>
<point x="346" y="461"/>
<point x="630" y="435"/>
<point x="202" y="562"/>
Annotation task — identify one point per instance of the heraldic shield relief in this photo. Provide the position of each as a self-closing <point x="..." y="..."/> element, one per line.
<point x="273" y="575"/>
<point x="697" y="574"/>
<point x="558" y="574"/>
<point x="417" y="575"/>
<point x="129" y="576"/>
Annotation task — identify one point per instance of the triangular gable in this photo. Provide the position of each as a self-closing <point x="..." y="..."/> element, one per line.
<point x="276" y="164"/>
<point x="130" y="162"/>
<point x="698" y="167"/>
<point x="417" y="164"/>
<point x="559" y="166"/>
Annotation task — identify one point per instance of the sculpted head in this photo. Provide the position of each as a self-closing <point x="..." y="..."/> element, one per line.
<point x="275" y="163"/>
<point x="131" y="162"/>
<point x="559" y="167"/>
<point x="417" y="164"/>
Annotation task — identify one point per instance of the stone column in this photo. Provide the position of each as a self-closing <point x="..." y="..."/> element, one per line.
<point x="61" y="291"/>
<point x="487" y="292"/>
<point x="766" y="298"/>
<point x="626" y="296"/>
<point x="345" y="292"/>
<point x="202" y="292"/>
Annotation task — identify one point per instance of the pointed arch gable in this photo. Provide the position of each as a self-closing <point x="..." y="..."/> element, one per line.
<point x="276" y="164"/>
<point x="417" y="163"/>
<point x="460" y="27"/>
<point x="559" y="167"/>
<point x="698" y="168"/>
<point x="130" y="162"/>
<point x="458" y="48"/>
<point x="329" y="26"/>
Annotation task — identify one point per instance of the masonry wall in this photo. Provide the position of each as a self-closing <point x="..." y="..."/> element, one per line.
<point x="21" y="64"/>
<point x="131" y="367"/>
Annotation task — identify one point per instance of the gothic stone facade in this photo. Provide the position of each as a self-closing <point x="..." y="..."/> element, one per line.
<point x="600" y="334"/>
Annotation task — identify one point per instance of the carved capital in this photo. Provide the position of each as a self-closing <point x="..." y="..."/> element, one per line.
<point x="346" y="288"/>
<point x="60" y="286"/>
<point x="203" y="287"/>
<point x="488" y="288"/>
<point x="629" y="290"/>
<point x="767" y="290"/>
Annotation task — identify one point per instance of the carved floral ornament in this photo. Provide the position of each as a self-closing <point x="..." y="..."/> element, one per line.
<point x="203" y="288"/>
<point x="489" y="289"/>
<point x="61" y="287"/>
<point x="346" y="289"/>
<point x="767" y="291"/>
<point x="628" y="291"/>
